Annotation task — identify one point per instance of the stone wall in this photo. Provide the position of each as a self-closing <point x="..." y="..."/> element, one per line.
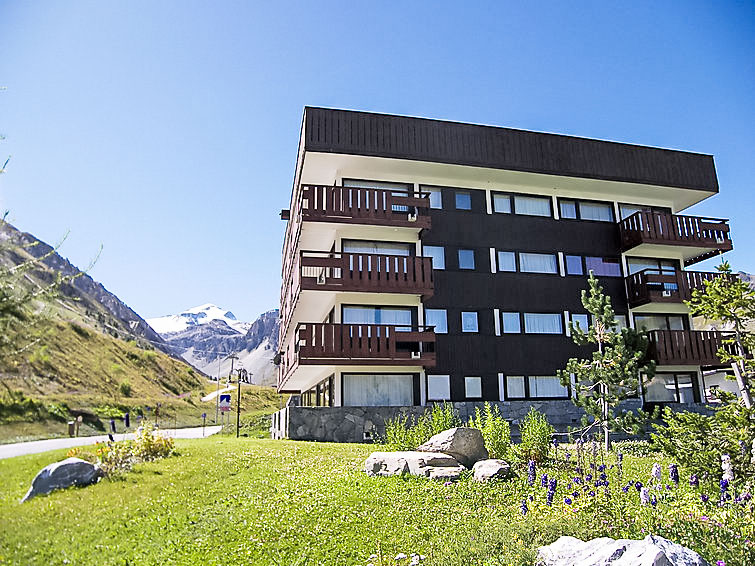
<point x="362" y="424"/>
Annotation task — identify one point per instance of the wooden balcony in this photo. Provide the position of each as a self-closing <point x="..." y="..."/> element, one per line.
<point x="358" y="344"/>
<point x="655" y="286"/>
<point x="704" y="237"/>
<point x="686" y="347"/>
<point x="371" y="273"/>
<point x="353" y="205"/>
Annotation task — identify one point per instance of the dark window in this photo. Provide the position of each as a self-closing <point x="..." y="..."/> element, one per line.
<point x="603" y="266"/>
<point x="586" y="210"/>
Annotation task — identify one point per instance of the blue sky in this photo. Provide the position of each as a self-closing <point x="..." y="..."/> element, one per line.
<point x="167" y="131"/>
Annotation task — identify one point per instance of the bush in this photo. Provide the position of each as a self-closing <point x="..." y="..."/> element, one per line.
<point x="148" y="445"/>
<point x="405" y="433"/>
<point x="638" y="448"/>
<point x="536" y="435"/>
<point x="494" y="428"/>
<point x="697" y="442"/>
<point x="115" y="458"/>
<point x="125" y="388"/>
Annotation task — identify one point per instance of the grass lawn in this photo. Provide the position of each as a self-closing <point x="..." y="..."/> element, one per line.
<point x="226" y="501"/>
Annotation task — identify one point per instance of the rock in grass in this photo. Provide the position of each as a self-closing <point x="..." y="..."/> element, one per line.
<point x="428" y="464"/>
<point x="651" y="551"/>
<point x="68" y="472"/>
<point x="486" y="470"/>
<point x="465" y="444"/>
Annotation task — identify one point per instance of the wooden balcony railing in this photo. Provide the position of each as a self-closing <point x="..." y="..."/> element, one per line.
<point x="355" y="205"/>
<point x="378" y="273"/>
<point x="655" y="286"/>
<point x="358" y="344"/>
<point x="647" y="227"/>
<point x="685" y="347"/>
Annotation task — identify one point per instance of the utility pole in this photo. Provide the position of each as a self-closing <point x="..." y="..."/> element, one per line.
<point x="238" y="403"/>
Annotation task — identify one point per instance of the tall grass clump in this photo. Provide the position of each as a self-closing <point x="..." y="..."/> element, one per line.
<point x="536" y="435"/>
<point x="494" y="428"/>
<point x="406" y="433"/>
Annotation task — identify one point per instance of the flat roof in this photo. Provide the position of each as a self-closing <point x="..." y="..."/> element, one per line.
<point x="421" y="139"/>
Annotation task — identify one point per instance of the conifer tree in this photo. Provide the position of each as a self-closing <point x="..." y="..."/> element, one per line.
<point x="731" y="301"/>
<point x="614" y="373"/>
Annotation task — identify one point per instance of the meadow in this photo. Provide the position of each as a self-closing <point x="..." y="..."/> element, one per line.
<point x="231" y="501"/>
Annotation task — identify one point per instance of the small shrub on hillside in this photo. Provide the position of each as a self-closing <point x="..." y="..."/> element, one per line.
<point x="536" y="435"/>
<point x="80" y="330"/>
<point x="58" y="411"/>
<point x="125" y="388"/>
<point x="638" y="448"/>
<point x="697" y="441"/>
<point x="494" y="428"/>
<point x="149" y="445"/>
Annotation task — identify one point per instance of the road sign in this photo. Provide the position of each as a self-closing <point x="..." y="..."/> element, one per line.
<point x="225" y="402"/>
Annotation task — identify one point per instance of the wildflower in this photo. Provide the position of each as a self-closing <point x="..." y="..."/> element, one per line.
<point x="625" y="489"/>
<point x="704" y="498"/>
<point x="575" y="494"/>
<point x="568" y="456"/>
<point x="694" y="481"/>
<point x="448" y="484"/>
<point x="656" y="472"/>
<point x="619" y="457"/>
<point x="523" y="507"/>
<point x="531" y="473"/>
<point x="653" y="501"/>
<point x="401" y="556"/>
<point x="728" y="472"/>
<point x="638" y="485"/>
<point x="720" y="563"/>
<point x="544" y="480"/>
<point x="602" y="468"/>
<point x="588" y="477"/>
<point x="591" y="493"/>
<point x="673" y="473"/>
<point x="551" y="491"/>
<point x="567" y="500"/>
<point x="644" y="496"/>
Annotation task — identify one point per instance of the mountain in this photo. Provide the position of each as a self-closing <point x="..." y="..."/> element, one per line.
<point x="206" y="335"/>
<point x="194" y="317"/>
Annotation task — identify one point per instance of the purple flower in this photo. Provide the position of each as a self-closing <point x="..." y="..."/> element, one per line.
<point x="638" y="485"/>
<point x="602" y="468"/>
<point x="720" y="563"/>
<point x="619" y="457"/>
<point x="568" y="456"/>
<point x="567" y="500"/>
<point x="588" y="477"/>
<point x="551" y="491"/>
<point x="653" y="501"/>
<point x="591" y="493"/>
<point x="531" y="473"/>
<point x="577" y="480"/>
<point x="694" y="481"/>
<point x="644" y="496"/>
<point x="544" y="480"/>
<point x="625" y="489"/>
<point x="704" y="498"/>
<point x="724" y="484"/>
<point x="523" y="507"/>
<point x="575" y="494"/>
<point x="673" y="472"/>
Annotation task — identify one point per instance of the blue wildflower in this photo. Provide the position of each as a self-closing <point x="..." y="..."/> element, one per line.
<point x="544" y="480"/>
<point x="524" y="507"/>
<point x="531" y="473"/>
<point x="567" y="500"/>
<point x="673" y="472"/>
<point x="694" y="481"/>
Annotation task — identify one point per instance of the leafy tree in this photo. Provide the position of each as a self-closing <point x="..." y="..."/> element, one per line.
<point x="731" y="301"/>
<point x="613" y="374"/>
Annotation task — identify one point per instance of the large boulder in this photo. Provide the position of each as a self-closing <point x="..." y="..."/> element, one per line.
<point x="465" y="444"/>
<point x="427" y="464"/>
<point x="486" y="470"/>
<point x="651" y="551"/>
<point x="68" y="472"/>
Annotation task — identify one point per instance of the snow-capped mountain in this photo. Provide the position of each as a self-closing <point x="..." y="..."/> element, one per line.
<point x="202" y="314"/>
<point x="205" y="336"/>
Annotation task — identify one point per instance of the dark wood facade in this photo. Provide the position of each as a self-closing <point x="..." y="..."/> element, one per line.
<point x="686" y="347"/>
<point x="655" y="286"/>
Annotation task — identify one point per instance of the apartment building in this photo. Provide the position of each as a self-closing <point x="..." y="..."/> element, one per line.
<point x="429" y="261"/>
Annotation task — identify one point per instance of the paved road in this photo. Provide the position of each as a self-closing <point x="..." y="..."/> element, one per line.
<point x="36" y="446"/>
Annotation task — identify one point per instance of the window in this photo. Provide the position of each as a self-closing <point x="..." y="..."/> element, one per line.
<point x="659" y="322"/>
<point x="664" y="266"/>
<point x="438" y="254"/>
<point x="547" y="386"/>
<point x="436" y="197"/>
<point x="581" y="320"/>
<point x="620" y="320"/>
<point x="374" y="247"/>
<point x="603" y="266"/>
<point x="532" y="206"/>
<point x="473" y="387"/>
<point x="673" y="388"/>
<point x="437" y="318"/>
<point x="515" y="387"/>
<point x="568" y="208"/>
<point x="466" y="259"/>
<point x="541" y="323"/>
<point x="511" y="322"/>
<point x="438" y="388"/>
<point x="398" y="316"/>
<point x="463" y="200"/>
<point x="502" y="203"/>
<point x="602" y="212"/>
<point x="538" y="263"/>
<point x="628" y="210"/>
<point x="376" y="390"/>
<point x="506" y="261"/>
<point x="574" y="265"/>
<point x="468" y="321"/>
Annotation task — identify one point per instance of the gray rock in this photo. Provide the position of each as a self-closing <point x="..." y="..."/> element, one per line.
<point x="651" y="551"/>
<point x="427" y="464"/>
<point x="486" y="470"/>
<point x="465" y="444"/>
<point x="68" y="472"/>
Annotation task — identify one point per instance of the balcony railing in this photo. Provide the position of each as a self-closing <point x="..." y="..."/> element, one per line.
<point x="356" y="205"/>
<point x="377" y="273"/>
<point x="656" y="286"/>
<point x="647" y="227"/>
<point x="686" y="347"/>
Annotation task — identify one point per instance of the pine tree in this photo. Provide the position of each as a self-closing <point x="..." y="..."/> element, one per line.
<point x="615" y="372"/>
<point x="731" y="301"/>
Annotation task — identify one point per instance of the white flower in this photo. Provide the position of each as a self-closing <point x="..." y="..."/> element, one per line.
<point x="656" y="473"/>
<point x="644" y="496"/>
<point x="728" y="474"/>
<point x="401" y="556"/>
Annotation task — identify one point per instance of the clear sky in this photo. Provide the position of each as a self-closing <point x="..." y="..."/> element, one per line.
<point x="167" y="131"/>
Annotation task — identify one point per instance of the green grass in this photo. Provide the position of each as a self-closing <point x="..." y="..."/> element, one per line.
<point x="224" y="501"/>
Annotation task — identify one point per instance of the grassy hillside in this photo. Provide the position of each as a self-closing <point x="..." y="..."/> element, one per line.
<point x="76" y="370"/>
